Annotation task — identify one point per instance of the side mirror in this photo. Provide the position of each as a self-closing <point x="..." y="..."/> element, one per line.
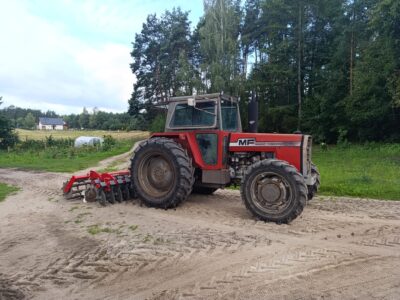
<point x="191" y="102"/>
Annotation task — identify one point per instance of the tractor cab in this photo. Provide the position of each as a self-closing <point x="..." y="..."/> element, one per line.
<point x="210" y="111"/>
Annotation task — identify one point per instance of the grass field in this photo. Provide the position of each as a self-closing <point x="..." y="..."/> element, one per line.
<point x="371" y="171"/>
<point x="66" y="159"/>
<point x="58" y="134"/>
<point x="6" y="190"/>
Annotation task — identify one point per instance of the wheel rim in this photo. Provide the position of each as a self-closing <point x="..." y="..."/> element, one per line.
<point x="271" y="193"/>
<point x="156" y="175"/>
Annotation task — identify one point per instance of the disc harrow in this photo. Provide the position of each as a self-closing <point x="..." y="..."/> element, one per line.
<point x="107" y="187"/>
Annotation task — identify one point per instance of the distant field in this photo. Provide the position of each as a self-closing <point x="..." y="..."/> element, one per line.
<point x="371" y="171"/>
<point x="58" y="159"/>
<point x="58" y="134"/>
<point x="64" y="157"/>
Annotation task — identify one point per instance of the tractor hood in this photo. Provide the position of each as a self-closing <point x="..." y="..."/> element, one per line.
<point x="260" y="141"/>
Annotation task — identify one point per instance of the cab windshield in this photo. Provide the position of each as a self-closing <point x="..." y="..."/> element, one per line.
<point x="203" y="115"/>
<point x="229" y="114"/>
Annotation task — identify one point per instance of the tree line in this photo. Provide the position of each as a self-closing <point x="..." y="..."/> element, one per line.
<point x="28" y="119"/>
<point x="329" y="68"/>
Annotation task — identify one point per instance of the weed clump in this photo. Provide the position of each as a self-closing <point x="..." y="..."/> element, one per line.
<point x="96" y="229"/>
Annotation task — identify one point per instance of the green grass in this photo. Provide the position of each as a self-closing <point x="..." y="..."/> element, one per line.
<point x="112" y="167"/>
<point x="133" y="227"/>
<point x="96" y="229"/>
<point x="6" y="190"/>
<point x="371" y="171"/>
<point x="60" y="160"/>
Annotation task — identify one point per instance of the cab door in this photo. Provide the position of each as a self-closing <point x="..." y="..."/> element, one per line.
<point x="213" y="147"/>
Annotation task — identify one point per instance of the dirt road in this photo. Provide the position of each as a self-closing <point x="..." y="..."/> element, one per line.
<point x="208" y="248"/>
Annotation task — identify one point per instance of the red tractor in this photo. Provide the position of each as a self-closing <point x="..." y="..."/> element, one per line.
<point x="203" y="149"/>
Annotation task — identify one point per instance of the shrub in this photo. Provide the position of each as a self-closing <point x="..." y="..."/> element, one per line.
<point x="158" y="124"/>
<point x="7" y="136"/>
<point x="137" y="123"/>
<point x="108" y="142"/>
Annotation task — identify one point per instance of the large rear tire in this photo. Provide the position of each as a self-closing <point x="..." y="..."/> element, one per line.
<point x="274" y="191"/>
<point x="162" y="173"/>
<point x="313" y="189"/>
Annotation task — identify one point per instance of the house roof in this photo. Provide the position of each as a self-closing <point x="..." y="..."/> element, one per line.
<point x="51" y="121"/>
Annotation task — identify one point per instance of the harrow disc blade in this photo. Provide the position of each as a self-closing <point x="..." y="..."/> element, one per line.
<point x="110" y="196"/>
<point x="91" y="194"/>
<point x="71" y="196"/>
<point x="125" y="192"/>
<point x="118" y="194"/>
<point x="102" y="198"/>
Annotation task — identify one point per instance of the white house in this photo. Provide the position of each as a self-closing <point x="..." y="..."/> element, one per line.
<point x="51" y="124"/>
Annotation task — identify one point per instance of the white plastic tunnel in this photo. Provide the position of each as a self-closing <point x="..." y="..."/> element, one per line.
<point x="88" y="141"/>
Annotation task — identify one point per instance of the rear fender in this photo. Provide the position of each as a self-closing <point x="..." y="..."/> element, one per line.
<point x="189" y="142"/>
<point x="186" y="142"/>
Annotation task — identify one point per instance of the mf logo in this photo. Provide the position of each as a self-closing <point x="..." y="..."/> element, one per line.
<point x="246" y="142"/>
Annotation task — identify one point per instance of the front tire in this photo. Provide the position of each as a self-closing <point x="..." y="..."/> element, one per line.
<point x="274" y="191"/>
<point x="313" y="189"/>
<point x="162" y="173"/>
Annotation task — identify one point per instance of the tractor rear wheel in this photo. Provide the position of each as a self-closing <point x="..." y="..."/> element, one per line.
<point x="313" y="189"/>
<point x="203" y="190"/>
<point x="274" y="191"/>
<point x="162" y="173"/>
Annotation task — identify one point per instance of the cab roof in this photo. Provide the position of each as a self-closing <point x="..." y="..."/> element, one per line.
<point x="214" y="96"/>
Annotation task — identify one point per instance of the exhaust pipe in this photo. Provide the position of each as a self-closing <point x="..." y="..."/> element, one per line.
<point x="253" y="113"/>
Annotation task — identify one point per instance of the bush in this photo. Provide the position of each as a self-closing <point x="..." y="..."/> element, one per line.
<point x="7" y="137"/>
<point x="49" y="142"/>
<point x="137" y="123"/>
<point x="109" y="142"/>
<point x="158" y="124"/>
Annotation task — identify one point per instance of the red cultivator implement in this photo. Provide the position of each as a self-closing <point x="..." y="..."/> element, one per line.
<point x="109" y="187"/>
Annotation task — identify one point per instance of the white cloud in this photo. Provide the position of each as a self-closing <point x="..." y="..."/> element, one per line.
<point x="108" y="66"/>
<point x="67" y="54"/>
<point x="42" y="66"/>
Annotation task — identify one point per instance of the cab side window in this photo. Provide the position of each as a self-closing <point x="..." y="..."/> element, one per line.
<point x="208" y="144"/>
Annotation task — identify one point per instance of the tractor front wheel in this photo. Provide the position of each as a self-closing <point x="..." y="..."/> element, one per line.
<point x="162" y="173"/>
<point x="313" y="189"/>
<point x="274" y="191"/>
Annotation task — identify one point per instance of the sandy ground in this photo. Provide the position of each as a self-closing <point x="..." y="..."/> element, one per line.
<point x="208" y="248"/>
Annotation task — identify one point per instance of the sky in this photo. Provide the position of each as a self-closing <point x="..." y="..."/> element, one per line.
<point x="63" y="55"/>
